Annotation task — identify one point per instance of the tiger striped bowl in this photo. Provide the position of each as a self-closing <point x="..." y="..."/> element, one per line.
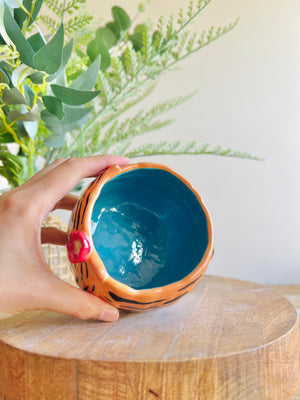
<point x="140" y="237"/>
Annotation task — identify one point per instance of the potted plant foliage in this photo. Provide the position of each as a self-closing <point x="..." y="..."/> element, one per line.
<point x="67" y="85"/>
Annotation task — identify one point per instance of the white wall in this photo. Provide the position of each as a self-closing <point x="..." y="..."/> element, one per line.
<point x="248" y="99"/>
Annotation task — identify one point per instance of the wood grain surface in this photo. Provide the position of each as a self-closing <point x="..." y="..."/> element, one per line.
<point x="292" y="293"/>
<point x="226" y="340"/>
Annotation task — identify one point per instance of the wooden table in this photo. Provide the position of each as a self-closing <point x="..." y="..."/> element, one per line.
<point x="226" y="340"/>
<point x="292" y="293"/>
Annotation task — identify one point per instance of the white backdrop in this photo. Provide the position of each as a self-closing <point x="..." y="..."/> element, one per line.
<point x="247" y="99"/>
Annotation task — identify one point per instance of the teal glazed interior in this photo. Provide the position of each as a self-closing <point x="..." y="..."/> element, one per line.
<point x="148" y="228"/>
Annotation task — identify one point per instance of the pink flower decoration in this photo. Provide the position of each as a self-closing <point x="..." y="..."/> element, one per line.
<point x="78" y="247"/>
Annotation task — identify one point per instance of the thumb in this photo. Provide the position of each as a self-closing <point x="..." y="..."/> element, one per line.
<point x="61" y="297"/>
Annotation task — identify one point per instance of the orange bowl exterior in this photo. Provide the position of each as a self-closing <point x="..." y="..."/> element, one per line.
<point x="91" y="274"/>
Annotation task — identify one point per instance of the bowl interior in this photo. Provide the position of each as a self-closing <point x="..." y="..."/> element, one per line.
<point x="148" y="228"/>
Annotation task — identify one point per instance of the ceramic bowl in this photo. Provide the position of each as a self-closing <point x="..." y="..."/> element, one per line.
<point x="140" y="237"/>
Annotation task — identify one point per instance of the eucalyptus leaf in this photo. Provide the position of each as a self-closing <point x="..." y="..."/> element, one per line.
<point x="21" y="129"/>
<point x="36" y="41"/>
<point x="37" y="6"/>
<point x="56" y="140"/>
<point x="106" y="36"/>
<point x="52" y="123"/>
<point x="141" y="29"/>
<point x="96" y="48"/>
<point x="59" y="76"/>
<point x="20" y="15"/>
<point x="72" y="114"/>
<point x="54" y="106"/>
<point x="74" y="118"/>
<point x="137" y="37"/>
<point x="6" y="66"/>
<point x="75" y="114"/>
<point x="113" y="26"/>
<point x="121" y="18"/>
<point x="31" y="128"/>
<point x="32" y="115"/>
<point x="4" y="77"/>
<point x="49" y="57"/>
<point x="16" y="35"/>
<point x="13" y="3"/>
<point x="29" y="95"/>
<point x="73" y="97"/>
<point x="21" y="73"/>
<point x="76" y="124"/>
<point x="37" y="77"/>
<point x="87" y="79"/>
<point x="13" y="96"/>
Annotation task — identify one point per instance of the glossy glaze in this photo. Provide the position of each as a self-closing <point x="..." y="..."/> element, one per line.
<point x="150" y="235"/>
<point x="148" y="228"/>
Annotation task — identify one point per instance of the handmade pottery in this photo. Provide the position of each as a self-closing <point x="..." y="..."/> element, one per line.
<point x="140" y="237"/>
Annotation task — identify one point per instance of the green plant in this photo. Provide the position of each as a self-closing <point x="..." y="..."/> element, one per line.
<point x="64" y="97"/>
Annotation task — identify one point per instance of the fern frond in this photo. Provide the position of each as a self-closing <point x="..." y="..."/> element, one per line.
<point x="143" y="121"/>
<point x="160" y="24"/>
<point x="181" y="44"/>
<point x="106" y="88"/>
<point x="73" y="5"/>
<point x="175" y="148"/>
<point x="131" y="62"/>
<point x="77" y="23"/>
<point x="158" y="39"/>
<point x="55" y="6"/>
<point x="146" y="46"/>
<point x="204" y="39"/>
<point x="126" y="105"/>
<point x="191" y="42"/>
<point x="111" y="131"/>
<point x="181" y="19"/>
<point x="129" y="129"/>
<point x="190" y="9"/>
<point x="60" y="7"/>
<point x="121" y="148"/>
<point x="138" y="124"/>
<point x="167" y="105"/>
<point x="51" y="25"/>
<point x="170" y="28"/>
<point x="192" y="15"/>
<point x="118" y="74"/>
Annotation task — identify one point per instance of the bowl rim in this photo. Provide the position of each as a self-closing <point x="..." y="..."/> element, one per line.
<point x="124" y="291"/>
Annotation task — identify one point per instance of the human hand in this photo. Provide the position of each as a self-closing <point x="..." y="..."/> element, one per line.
<point x="26" y="282"/>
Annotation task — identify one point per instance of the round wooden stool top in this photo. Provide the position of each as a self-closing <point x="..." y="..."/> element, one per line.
<point x="227" y="339"/>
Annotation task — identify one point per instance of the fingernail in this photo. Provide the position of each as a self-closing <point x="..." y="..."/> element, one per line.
<point x="109" y="315"/>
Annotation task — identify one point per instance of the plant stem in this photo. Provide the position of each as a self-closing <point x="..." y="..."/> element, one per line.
<point x="63" y="11"/>
<point x="30" y="166"/>
<point x="140" y="70"/>
<point x="12" y="132"/>
<point x="183" y="27"/>
<point x="29" y="15"/>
